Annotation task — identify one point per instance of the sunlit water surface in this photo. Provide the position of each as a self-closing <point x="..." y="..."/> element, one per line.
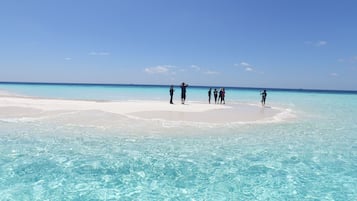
<point x="310" y="157"/>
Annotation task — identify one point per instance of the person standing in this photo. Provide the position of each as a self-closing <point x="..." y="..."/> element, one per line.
<point x="215" y="94"/>
<point x="220" y="95"/>
<point x="223" y="96"/>
<point x="171" y="93"/>
<point x="183" y="92"/>
<point x="264" y="96"/>
<point x="209" y="95"/>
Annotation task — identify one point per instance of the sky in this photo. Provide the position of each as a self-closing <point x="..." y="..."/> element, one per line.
<point x="301" y="44"/>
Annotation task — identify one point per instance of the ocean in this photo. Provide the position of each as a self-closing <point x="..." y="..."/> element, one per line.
<point x="312" y="155"/>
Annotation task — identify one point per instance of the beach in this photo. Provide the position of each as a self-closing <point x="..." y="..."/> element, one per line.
<point x="178" y="100"/>
<point x="194" y="111"/>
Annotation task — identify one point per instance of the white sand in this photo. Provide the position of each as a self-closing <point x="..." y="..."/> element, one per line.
<point x="22" y="107"/>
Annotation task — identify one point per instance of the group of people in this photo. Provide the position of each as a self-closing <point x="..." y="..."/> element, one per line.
<point x="216" y="94"/>
<point x="183" y="93"/>
<point x="221" y="95"/>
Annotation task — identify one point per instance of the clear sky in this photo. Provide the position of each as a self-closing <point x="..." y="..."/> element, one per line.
<point x="310" y="44"/>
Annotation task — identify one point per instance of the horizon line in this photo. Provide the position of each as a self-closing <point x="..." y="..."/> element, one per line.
<point x="168" y="85"/>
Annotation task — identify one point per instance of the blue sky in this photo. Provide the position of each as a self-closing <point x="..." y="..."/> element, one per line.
<point x="308" y="44"/>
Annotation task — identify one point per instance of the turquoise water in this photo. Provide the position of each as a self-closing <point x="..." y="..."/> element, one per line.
<point x="312" y="157"/>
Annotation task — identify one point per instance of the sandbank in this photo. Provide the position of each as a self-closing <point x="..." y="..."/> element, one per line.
<point x="29" y="107"/>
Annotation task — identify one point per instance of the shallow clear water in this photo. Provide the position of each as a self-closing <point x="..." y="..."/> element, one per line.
<point x="313" y="157"/>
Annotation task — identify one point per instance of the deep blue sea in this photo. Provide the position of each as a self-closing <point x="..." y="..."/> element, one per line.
<point x="312" y="156"/>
